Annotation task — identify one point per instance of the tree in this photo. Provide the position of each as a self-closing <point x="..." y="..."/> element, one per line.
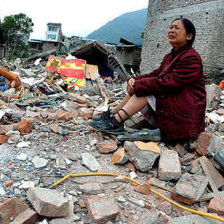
<point x="1" y="34"/>
<point x="16" y="31"/>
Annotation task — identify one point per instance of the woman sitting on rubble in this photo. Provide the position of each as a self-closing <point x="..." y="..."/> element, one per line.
<point x="174" y="93"/>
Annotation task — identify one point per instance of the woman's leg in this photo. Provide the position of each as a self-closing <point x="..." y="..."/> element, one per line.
<point x="133" y="105"/>
<point x="121" y="104"/>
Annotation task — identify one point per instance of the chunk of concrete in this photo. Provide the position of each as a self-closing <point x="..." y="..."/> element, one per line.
<point x="11" y="208"/>
<point x="90" y="162"/>
<point x="143" y="160"/>
<point x="193" y="219"/>
<point x="169" y="165"/>
<point x="190" y="188"/>
<point x="102" y="208"/>
<point x="216" y="205"/>
<point x="48" y="202"/>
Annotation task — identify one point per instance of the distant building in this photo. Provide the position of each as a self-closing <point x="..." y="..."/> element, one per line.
<point x="53" y="32"/>
<point x="52" y="40"/>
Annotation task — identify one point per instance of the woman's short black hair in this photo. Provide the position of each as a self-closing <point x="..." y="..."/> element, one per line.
<point x="189" y="27"/>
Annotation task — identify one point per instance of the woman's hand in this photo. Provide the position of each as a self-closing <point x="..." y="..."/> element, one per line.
<point x="130" y="86"/>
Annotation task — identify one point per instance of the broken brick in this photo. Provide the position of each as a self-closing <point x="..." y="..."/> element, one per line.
<point x="29" y="216"/>
<point x="25" y="126"/>
<point x="9" y="183"/>
<point x="77" y="98"/>
<point x="3" y="139"/>
<point x="203" y="142"/>
<point x="102" y="208"/>
<point x="208" y="144"/>
<point x="217" y="205"/>
<point x="11" y="208"/>
<point x="63" y="115"/>
<point x="143" y="188"/>
<point x="119" y="157"/>
<point x="107" y="146"/>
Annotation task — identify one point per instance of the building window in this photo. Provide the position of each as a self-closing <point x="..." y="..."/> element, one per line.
<point x="52" y="37"/>
<point x="53" y="28"/>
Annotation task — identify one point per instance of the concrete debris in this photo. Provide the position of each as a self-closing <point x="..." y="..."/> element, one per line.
<point x="48" y="202"/>
<point x="44" y="136"/>
<point x="14" y="210"/>
<point x="193" y="219"/>
<point x="190" y="188"/>
<point x="91" y="188"/>
<point x="143" y="160"/>
<point x="102" y="208"/>
<point x="90" y="162"/>
<point x="169" y="165"/>
<point x="216" y="205"/>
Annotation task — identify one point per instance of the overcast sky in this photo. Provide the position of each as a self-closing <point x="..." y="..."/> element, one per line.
<point x="78" y="17"/>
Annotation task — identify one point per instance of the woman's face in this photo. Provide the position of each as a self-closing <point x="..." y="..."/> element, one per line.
<point x="177" y="35"/>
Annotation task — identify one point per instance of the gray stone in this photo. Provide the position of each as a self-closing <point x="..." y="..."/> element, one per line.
<point x="143" y="160"/>
<point x="90" y="162"/>
<point x="169" y="165"/>
<point x="137" y="202"/>
<point x="91" y="188"/>
<point x="214" y="146"/>
<point x="102" y="208"/>
<point x="152" y="217"/>
<point x="48" y="202"/>
<point x="191" y="186"/>
<point x="27" y="184"/>
<point x="213" y="94"/>
<point x="121" y="199"/>
<point x="39" y="162"/>
<point x="22" y="157"/>
<point x="193" y="219"/>
<point x="219" y="157"/>
<point x="61" y="221"/>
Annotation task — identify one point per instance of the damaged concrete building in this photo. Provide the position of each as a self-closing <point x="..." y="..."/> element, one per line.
<point x="52" y="39"/>
<point x="207" y="16"/>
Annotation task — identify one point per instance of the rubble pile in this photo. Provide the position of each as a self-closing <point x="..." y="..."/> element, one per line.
<point x="44" y="136"/>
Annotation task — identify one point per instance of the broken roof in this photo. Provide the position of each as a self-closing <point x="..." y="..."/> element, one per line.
<point x="98" y="54"/>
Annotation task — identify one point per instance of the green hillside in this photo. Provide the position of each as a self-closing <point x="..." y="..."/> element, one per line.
<point x="128" y="26"/>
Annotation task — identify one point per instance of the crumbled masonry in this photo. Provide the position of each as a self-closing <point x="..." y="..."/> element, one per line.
<point x="45" y="135"/>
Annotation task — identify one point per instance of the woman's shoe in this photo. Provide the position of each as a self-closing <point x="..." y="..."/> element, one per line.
<point x="109" y="125"/>
<point x="143" y="135"/>
<point x="102" y="116"/>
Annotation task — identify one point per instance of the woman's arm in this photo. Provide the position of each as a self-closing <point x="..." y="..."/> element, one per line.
<point x="186" y="72"/>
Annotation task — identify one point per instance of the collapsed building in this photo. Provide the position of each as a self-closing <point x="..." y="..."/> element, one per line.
<point x="96" y="53"/>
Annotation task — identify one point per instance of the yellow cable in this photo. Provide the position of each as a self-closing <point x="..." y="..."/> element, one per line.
<point x="138" y="183"/>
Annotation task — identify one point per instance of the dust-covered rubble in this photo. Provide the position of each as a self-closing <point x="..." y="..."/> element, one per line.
<point x="45" y="136"/>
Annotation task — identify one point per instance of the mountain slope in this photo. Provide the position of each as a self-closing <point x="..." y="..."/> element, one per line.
<point x="128" y="26"/>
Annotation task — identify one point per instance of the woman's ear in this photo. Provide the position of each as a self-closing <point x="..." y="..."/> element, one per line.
<point x="189" y="36"/>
